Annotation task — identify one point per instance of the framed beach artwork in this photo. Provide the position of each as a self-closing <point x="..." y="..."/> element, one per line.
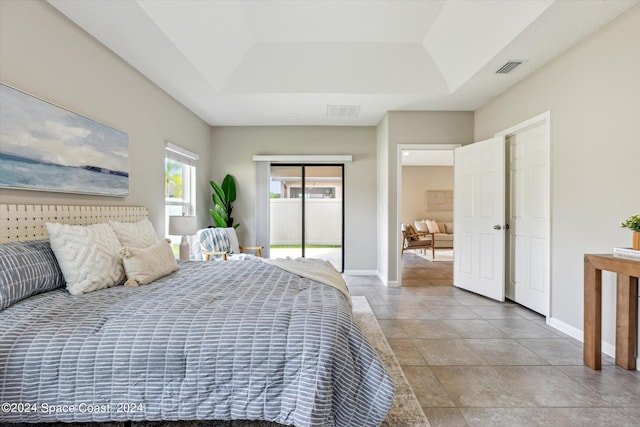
<point x="49" y="148"/>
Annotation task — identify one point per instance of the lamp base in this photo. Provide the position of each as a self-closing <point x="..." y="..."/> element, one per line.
<point x="184" y="249"/>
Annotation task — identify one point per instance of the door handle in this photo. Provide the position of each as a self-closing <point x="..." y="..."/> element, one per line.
<point x="497" y="227"/>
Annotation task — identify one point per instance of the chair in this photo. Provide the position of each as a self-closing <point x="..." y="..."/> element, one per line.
<point x="411" y="239"/>
<point x="220" y="242"/>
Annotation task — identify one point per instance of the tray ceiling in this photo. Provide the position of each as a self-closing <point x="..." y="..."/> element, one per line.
<point x="288" y="62"/>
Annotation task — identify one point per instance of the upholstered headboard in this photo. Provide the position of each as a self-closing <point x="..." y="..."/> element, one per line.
<point x="27" y="222"/>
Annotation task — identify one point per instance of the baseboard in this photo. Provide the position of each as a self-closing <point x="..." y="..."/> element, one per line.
<point x="565" y="328"/>
<point x="607" y="348"/>
<point x="360" y="273"/>
<point x="387" y="283"/>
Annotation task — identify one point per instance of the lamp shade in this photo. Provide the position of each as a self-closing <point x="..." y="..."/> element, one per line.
<point x="183" y="225"/>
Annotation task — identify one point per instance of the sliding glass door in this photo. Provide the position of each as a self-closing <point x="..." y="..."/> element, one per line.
<point x="307" y="212"/>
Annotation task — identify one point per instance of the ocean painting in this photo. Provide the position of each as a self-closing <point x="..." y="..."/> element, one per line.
<point x="48" y="148"/>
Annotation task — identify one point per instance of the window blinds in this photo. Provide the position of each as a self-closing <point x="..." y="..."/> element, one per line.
<point x="179" y="154"/>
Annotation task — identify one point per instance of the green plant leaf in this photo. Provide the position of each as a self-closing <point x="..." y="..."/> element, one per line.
<point x="223" y="196"/>
<point x="221" y="211"/>
<point x="229" y="188"/>
<point x="633" y="223"/>
<point x="217" y="201"/>
<point x="217" y="219"/>
<point x="217" y="190"/>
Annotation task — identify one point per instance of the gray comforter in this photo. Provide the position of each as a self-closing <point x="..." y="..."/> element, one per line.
<point x="214" y="340"/>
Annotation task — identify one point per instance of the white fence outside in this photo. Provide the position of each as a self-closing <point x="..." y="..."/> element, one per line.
<point x="324" y="217"/>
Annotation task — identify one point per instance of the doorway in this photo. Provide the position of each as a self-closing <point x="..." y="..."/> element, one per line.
<point x="421" y="169"/>
<point x="306" y="212"/>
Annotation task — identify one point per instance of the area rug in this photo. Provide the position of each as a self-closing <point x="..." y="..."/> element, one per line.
<point x="405" y="409"/>
<point x="441" y="255"/>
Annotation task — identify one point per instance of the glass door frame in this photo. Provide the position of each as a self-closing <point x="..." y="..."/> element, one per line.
<point x="303" y="167"/>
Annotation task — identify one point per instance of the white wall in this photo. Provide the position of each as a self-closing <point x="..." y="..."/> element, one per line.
<point x="416" y="181"/>
<point x="45" y="54"/>
<point x="593" y="93"/>
<point x="382" y="184"/>
<point x="234" y="147"/>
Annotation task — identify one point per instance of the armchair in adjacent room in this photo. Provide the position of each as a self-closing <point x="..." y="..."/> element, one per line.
<point x="413" y="239"/>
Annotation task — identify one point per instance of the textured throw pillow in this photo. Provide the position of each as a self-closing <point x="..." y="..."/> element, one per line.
<point x="135" y="234"/>
<point x="448" y="227"/>
<point x="89" y="256"/>
<point x="432" y="226"/>
<point x="421" y="226"/>
<point x="27" y="268"/>
<point x="411" y="233"/>
<point x="144" y="265"/>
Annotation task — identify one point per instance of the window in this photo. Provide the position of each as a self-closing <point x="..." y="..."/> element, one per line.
<point x="179" y="185"/>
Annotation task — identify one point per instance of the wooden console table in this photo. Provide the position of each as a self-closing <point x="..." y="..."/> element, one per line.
<point x="628" y="271"/>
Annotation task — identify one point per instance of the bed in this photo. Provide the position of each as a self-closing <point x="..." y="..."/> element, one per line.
<point x="237" y="340"/>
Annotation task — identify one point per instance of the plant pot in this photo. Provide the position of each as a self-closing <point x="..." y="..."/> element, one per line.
<point x="636" y="240"/>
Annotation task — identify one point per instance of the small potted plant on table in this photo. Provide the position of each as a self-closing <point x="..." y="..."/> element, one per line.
<point x="633" y="222"/>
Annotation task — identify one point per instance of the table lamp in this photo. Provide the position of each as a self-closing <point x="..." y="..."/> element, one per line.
<point x="183" y="226"/>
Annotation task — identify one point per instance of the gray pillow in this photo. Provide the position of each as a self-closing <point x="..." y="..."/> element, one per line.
<point x="27" y="268"/>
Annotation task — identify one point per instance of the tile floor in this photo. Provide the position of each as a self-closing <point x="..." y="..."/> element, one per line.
<point x="472" y="361"/>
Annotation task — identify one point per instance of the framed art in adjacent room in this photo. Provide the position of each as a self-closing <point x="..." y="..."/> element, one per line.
<point x="49" y="148"/>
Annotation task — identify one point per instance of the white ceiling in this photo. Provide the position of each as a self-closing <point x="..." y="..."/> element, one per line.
<point x="283" y="62"/>
<point x="427" y="157"/>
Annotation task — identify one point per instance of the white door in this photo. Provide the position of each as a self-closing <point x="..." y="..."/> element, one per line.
<point x="528" y="213"/>
<point x="479" y="213"/>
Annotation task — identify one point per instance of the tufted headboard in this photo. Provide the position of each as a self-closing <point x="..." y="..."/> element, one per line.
<point x="27" y="222"/>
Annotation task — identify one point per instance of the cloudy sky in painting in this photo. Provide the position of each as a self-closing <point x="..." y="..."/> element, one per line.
<point x="37" y="130"/>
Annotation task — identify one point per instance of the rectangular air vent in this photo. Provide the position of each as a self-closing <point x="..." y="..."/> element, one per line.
<point x="510" y="66"/>
<point x="346" y="111"/>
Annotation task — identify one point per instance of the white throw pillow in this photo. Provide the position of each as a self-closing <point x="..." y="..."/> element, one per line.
<point x="432" y="226"/>
<point x="421" y="226"/>
<point x="89" y="256"/>
<point x="144" y="265"/>
<point x="135" y="234"/>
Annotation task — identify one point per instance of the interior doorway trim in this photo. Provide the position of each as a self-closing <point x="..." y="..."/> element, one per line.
<point x="529" y="123"/>
<point x="398" y="234"/>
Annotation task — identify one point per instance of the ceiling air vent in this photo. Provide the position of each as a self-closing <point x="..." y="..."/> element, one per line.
<point x="346" y="111"/>
<point x="510" y="66"/>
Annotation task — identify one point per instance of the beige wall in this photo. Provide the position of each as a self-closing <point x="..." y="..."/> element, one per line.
<point x="411" y="127"/>
<point x="593" y="94"/>
<point x="45" y="54"/>
<point x="416" y="181"/>
<point x="234" y="147"/>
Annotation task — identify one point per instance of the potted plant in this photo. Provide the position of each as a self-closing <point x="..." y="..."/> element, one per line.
<point x="223" y="197"/>
<point x="633" y="222"/>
